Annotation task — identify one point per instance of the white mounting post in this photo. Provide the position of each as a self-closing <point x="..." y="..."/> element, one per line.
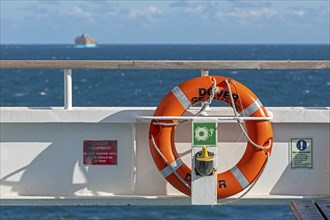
<point x="204" y="72"/>
<point x="204" y="188"/>
<point x="67" y="89"/>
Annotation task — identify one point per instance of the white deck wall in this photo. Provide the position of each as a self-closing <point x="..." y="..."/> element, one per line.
<point x="42" y="151"/>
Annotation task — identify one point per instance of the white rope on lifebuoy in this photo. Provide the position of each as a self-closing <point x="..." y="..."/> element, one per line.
<point x="240" y="124"/>
<point x="207" y="104"/>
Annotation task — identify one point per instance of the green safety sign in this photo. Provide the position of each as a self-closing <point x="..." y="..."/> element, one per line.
<point x="204" y="133"/>
<point x="301" y="152"/>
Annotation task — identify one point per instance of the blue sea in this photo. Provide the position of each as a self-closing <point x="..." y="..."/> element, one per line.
<point x="44" y="88"/>
<point x="146" y="212"/>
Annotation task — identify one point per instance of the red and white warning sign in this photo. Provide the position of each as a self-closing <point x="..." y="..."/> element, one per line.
<point x="102" y="152"/>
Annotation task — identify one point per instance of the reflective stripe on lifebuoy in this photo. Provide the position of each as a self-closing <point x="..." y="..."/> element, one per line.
<point x="190" y="93"/>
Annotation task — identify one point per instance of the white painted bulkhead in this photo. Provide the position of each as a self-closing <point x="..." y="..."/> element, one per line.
<point x="42" y="153"/>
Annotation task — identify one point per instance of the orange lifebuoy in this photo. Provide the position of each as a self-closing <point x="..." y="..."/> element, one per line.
<point x="190" y="93"/>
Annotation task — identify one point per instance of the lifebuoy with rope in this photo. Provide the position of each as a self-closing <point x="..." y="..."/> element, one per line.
<point x="205" y="89"/>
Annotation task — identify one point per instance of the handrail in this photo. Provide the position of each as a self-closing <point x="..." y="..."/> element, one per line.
<point x="165" y="64"/>
<point x="203" y="65"/>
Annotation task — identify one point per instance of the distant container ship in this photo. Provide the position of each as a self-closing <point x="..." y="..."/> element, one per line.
<point x="84" y="41"/>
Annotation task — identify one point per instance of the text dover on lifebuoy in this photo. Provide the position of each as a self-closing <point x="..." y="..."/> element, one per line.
<point x="221" y="95"/>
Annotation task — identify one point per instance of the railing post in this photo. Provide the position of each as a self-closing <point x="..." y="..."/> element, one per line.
<point x="67" y="89"/>
<point x="204" y="72"/>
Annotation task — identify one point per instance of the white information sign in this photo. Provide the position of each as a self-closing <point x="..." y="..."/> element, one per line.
<point x="301" y="152"/>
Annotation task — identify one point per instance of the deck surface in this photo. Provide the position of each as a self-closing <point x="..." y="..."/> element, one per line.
<point x="311" y="209"/>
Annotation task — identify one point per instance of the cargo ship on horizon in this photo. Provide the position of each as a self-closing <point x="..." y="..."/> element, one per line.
<point x="84" y="41"/>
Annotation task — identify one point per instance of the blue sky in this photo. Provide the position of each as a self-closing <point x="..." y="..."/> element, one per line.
<point x="177" y="22"/>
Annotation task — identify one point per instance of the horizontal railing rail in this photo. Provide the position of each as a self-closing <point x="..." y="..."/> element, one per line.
<point x="167" y="64"/>
<point x="203" y="65"/>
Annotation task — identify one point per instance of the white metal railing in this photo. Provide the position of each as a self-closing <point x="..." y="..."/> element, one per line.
<point x="219" y="118"/>
<point x="204" y="66"/>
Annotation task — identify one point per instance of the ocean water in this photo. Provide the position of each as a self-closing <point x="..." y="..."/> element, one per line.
<point x="44" y="88"/>
<point x="146" y="212"/>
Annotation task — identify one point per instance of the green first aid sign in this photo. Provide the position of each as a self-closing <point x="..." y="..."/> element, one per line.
<point x="204" y="133"/>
